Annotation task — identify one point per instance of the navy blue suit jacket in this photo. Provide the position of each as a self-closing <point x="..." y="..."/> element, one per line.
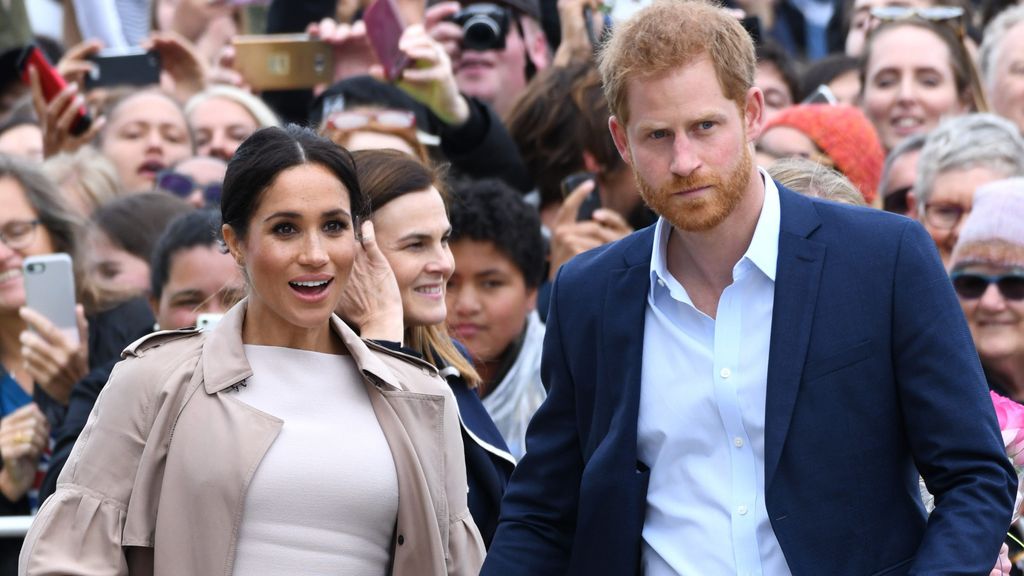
<point x="872" y="376"/>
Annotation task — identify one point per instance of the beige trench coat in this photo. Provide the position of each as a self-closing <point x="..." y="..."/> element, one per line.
<point x="156" y="483"/>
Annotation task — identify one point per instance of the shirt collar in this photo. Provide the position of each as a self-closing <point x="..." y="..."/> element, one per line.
<point x="763" y="251"/>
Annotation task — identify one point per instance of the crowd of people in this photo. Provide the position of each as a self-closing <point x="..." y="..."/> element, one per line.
<point x="620" y="275"/>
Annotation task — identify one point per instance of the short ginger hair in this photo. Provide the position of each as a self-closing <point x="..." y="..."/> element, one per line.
<point x="673" y="33"/>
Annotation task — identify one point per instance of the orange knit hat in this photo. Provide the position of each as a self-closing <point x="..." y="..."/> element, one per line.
<point x="845" y="135"/>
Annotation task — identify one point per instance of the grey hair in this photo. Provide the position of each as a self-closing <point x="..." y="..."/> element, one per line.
<point x="969" y="141"/>
<point x="816" y="180"/>
<point x="906" y="146"/>
<point x="992" y="44"/>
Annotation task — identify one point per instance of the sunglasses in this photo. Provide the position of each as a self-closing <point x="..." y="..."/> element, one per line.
<point x="353" y="120"/>
<point x="971" y="286"/>
<point x="182" y="186"/>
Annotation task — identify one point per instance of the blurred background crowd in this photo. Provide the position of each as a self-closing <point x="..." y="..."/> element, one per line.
<point x="116" y="156"/>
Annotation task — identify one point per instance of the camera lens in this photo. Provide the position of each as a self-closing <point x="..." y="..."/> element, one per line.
<point x="481" y="32"/>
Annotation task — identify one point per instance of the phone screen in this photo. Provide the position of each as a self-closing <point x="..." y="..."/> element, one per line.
<point x="384" y="28"/>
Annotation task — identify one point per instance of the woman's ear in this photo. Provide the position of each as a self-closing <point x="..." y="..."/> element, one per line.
<point x="233" y="244"/>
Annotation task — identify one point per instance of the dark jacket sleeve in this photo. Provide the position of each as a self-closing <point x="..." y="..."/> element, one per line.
<point x="483" y="148"/>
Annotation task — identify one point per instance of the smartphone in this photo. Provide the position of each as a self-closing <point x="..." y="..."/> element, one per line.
<point x="50" y="290"/>
<point x="593" y="200"/>
<point x="384" y="28"/>
<point x="134" y="67"/>
<point x="52" y="83"/>
<point x="283" y="61"/>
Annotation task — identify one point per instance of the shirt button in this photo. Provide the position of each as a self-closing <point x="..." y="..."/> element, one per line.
<point x="725" y="373"/>
<point x="738" y="442"/>
<point x="742" y="510"/>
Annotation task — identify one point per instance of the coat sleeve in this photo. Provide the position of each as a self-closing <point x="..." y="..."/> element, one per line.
<point x="949" y="419"/>
<point x="538" y="513"/>
<point x="78" y="530"/>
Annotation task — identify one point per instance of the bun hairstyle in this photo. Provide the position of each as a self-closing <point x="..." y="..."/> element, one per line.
<point x="268" y="153"/>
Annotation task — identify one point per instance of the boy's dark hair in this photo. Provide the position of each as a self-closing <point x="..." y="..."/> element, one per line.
<point x="491" y="211"/>
<point x="199" y="228"/>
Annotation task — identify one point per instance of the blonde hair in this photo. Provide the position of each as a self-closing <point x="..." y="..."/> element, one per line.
<point x="816" y="180"/>
<point x="673" y="33"/>
<point x="94" y="175"/>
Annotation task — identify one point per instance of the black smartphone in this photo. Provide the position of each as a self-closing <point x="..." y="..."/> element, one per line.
<point x="593" y="200"/>
<point x="123" y="68"/>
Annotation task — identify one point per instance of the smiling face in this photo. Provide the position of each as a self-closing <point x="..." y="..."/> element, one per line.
<point x="145" y="134"/>
<point x="297" y="254"/>
<point x="909" y="84"/>
<point x="17" y="211"/>
<point x="688" y="145"/>
<point x="221" y="125"/>
<point x="996" y="322"/>
<point x="412" y="231"/>
<point x="488" y="300"/>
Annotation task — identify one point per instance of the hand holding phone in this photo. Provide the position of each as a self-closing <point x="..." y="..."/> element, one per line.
<point x="51" y="85"/>
<point x="55" y="348"/>
<point x="593" y="200"/>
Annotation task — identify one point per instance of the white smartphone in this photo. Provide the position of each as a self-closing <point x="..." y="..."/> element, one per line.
<point x="50" y="290"/>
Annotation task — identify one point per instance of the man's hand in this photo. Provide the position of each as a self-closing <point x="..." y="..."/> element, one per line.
<point x="54" y="362"/>
<point x="575" y="45"/>
<point x="1003" y="564"/>
<point x="447" y="33"/>
<point x="569" y="237"/>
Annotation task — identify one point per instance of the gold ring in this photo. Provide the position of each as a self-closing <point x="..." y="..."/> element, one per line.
<point x="21" y="438"/>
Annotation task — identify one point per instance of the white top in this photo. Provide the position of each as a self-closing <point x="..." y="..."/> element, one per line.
<point x="324" y="499"/>
<point x="701" y="422"/>
<point x="512" y="403"/>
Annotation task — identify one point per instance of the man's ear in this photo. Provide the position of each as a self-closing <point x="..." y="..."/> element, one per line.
<point x="233" y="244"/>
<point x="620" y="138"/>
<point x="753" y="112"/>
<point x="537" y="49"/>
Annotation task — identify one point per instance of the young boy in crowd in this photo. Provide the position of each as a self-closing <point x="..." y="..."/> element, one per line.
<point x="492" y="299"/>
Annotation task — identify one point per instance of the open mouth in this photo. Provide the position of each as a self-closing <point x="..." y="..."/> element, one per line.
<point x="151" y="167"/>
<point x="311" y="289"/>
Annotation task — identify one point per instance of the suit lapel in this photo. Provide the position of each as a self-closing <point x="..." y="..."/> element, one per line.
<point x="796" y="291"/>
<point x="622" y="336"/>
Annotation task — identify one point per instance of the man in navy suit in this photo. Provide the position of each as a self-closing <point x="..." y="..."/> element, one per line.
<point x="754" y="384"/>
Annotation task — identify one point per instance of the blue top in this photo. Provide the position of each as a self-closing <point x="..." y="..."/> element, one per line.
<point x="12" y="395"/>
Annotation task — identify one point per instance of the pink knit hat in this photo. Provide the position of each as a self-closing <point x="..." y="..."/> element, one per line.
<point x="845" y="135"/>
<point x="994" y="231"/>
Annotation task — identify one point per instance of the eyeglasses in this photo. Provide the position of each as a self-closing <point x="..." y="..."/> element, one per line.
<point x="941" y="14"/>
<point x="19" y="234"/>
<point x="182" y="186"/>
<point x="971" y="286"/>
<point x="944" y="216"/>
<point x="353" y="120"/>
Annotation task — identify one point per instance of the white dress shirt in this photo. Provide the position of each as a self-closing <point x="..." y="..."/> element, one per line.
<point x="702" y="413"/>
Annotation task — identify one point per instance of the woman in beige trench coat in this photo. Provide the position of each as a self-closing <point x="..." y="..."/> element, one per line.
<point x="237" y="451"/>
